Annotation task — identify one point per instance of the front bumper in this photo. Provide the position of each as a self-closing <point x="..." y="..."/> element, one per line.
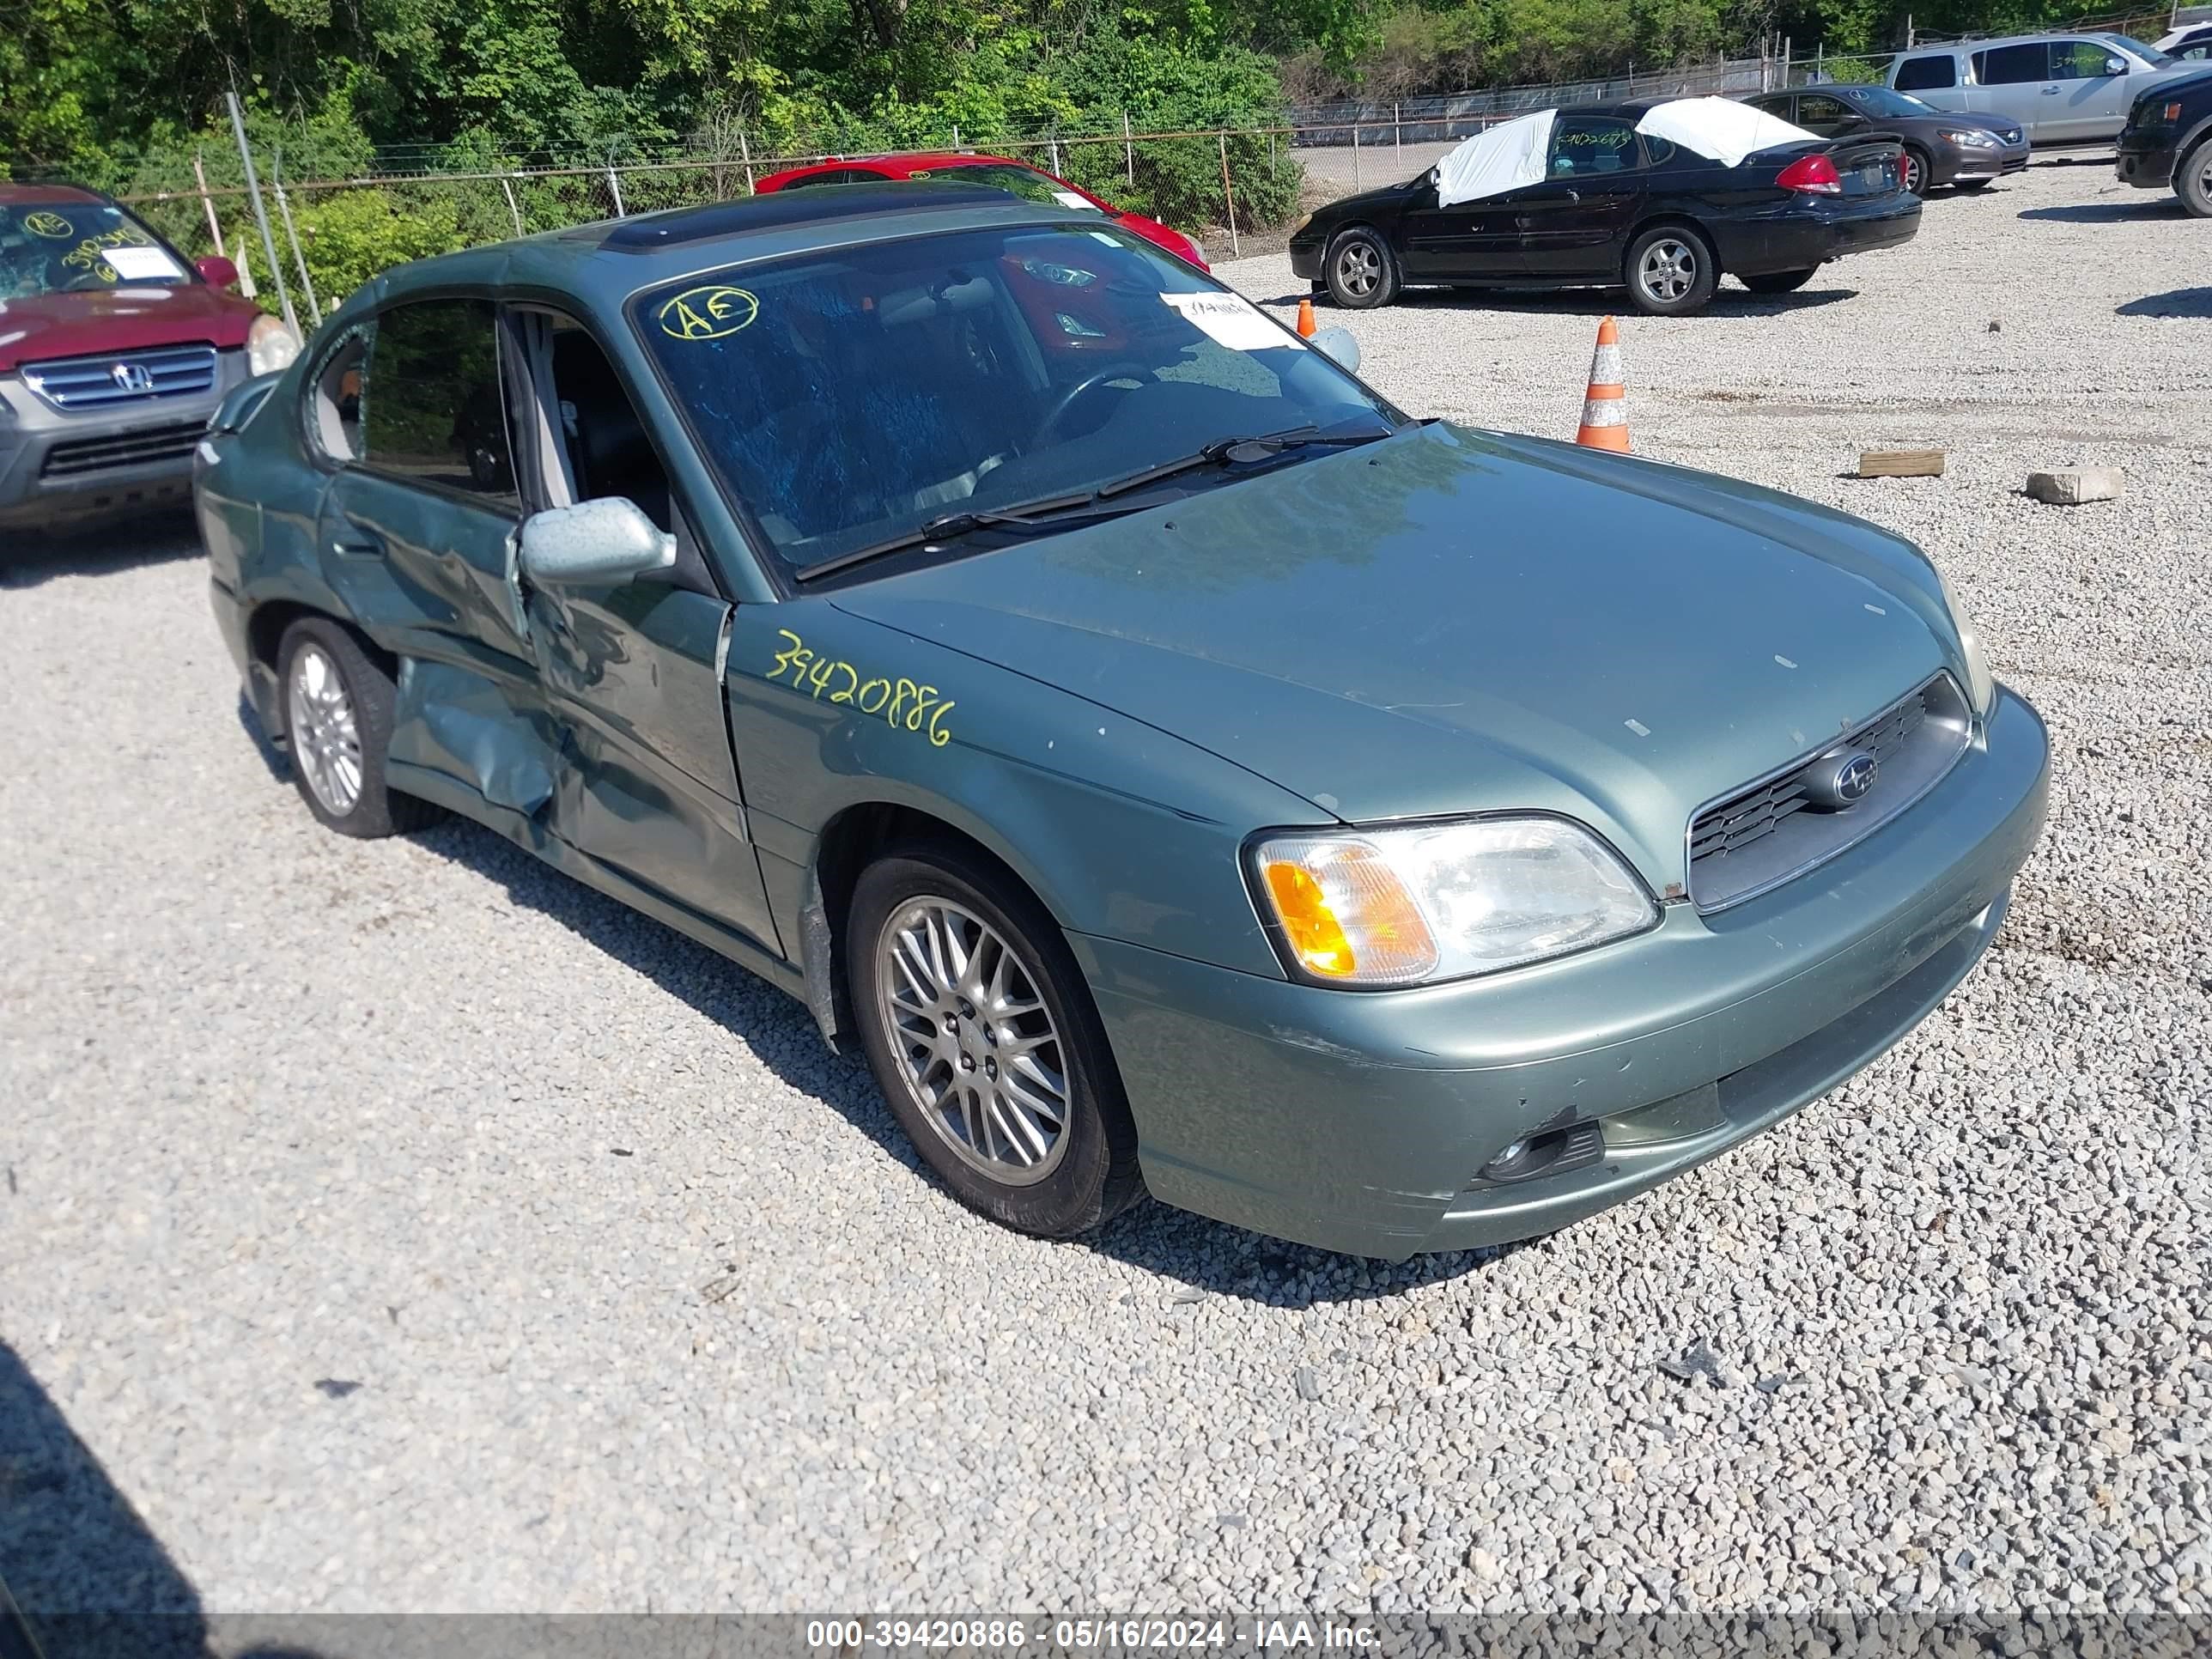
<point x="1799" y="235"/>
<point x="56" y="467"/>
<point x="1960" y="164"/>
<point x="1357" y="1123"/>
<point x="2145" y="163"/>
<point x="1306" y="259"/>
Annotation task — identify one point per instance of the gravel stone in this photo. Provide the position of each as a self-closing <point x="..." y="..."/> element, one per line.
<point x="278" y="1106"/>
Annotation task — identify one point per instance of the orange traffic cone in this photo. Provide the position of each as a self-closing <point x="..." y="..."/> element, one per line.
<point x="1605" y="410"/>
<point x="1305" y="320"/>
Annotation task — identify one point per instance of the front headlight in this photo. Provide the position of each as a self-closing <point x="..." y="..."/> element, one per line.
<point x="1968" y="135"/>
<point x="1439" y="900"/>
<point x="1981" y="684"/>
<point x="270" y="345"/>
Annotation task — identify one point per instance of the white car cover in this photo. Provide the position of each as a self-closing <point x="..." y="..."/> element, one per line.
<point x="1721" y="128"/>
<point x="1495" y="160"/>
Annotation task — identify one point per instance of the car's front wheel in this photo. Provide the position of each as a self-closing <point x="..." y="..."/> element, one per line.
<point x="982" y="1037"/>
<point x="338" y="724"/>
<point x="1671" y="272"/>
<point x="2192" y="181"/>
<point x="1361" y="271"/>
<point x="1779" y="281"/>
<point x="1915" y="168"/>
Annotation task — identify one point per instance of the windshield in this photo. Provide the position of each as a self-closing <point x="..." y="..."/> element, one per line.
<point x="1882" y="101"/>
<point x="76" y="245"/>
<point x="2150" y="55"/>
<point x="852" y="396"/>
<point x="1025" y="182"/>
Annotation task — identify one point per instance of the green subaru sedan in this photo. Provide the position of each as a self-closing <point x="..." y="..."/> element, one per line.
<point x="1178" y="770"/>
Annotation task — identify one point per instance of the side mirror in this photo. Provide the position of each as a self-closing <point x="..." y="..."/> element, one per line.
<point x="218" y="271"/>
<point x="1339" y="347"/>
<point x="2116" y="66"/>
<point x="593" y="544"/>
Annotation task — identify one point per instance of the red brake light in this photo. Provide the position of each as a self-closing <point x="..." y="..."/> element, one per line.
<point x="1815" y="173"/>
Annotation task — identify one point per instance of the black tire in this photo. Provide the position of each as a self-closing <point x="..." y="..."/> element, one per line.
<point x="2192" y="179"/>
<point x="1693" y="259"/>
<point x="374" y="809"/>
<point x="1360" y="271"/>
<point x="1975" y="186"/>
<point x="1916" y="167"/>
<point x="1779" y="281"/>
<point x="1094" y="1176"/>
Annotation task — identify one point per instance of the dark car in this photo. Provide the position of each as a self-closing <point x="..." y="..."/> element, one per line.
<point x="1173" y="768"/>
<point x="1618" y="206"/>
<point x="2168" y="141"/>
<point x="114" y="350"/>
<point x="1942" y="146"/>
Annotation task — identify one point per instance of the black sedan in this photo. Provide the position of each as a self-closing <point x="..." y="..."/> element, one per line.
<point x="1941" y="146"/>
<point x="1614" y="206"/>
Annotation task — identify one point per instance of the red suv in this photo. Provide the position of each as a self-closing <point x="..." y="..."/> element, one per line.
<point x="114" y="351"/>
<point x="999" y="171"/>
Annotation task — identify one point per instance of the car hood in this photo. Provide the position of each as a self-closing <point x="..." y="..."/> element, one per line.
<point x="94" y="322"/>
<point x="1454" y="621"/>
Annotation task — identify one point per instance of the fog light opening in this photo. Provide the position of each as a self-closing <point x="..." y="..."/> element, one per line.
<point x="1549" y="1152"/>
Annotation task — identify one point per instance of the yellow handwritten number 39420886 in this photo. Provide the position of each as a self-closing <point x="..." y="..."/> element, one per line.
<point x="902" y="703"/>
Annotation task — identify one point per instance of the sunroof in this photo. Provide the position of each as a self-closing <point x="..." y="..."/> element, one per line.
<point x="792" y="207"/>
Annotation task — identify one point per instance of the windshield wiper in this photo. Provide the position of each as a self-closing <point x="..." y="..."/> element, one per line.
<point x="1221" y="451"/>
<point x="1051" y="513"/>
<point x="1019" y="517"/>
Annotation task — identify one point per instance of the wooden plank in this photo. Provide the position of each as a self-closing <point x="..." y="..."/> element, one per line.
<point x="1901" y="464"/>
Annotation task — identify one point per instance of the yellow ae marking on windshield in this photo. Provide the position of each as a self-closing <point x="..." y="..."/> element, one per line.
<point x="904" y="705"/>
<point x="710" y="313"/>
<point x="51" y="226"/>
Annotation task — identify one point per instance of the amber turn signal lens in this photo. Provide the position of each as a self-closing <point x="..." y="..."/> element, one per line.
<point x="1311" y="927"/>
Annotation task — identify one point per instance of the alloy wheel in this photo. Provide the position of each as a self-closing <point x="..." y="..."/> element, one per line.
<point x="326" y="736"/>
<point x="1668" y="270"/>
<point x="1358" y="269"/>
<point x="1913" y="174"/>
<point x="973" y="1041"/>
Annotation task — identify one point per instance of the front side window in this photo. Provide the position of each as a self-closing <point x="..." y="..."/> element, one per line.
<point x="2084" y="60"/>
<point x="854" y="395"/>
<point x="1583" y="145"/>
<point x="81" y="246"/>
<point x="1936" y="70"/>
<point x="432" y="411"/>
<point x="1817" y="110"/>
<point x="2013" y="66"/>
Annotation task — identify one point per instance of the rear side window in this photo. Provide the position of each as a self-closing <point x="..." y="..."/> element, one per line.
<point x="431" y="408"/>
<point x="1936" y="70"/>
<point x="2011" y="66"/>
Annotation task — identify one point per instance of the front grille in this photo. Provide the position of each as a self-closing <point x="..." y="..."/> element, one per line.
<point x="70" y="384"/>
<point x="1772" y="831"/>
<point x="82" y="456"/>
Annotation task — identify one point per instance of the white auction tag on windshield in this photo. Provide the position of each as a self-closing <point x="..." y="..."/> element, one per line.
<point x="142" y="264"/>
<point x="1068" y="199"/>
<point x="1232" y="320"/>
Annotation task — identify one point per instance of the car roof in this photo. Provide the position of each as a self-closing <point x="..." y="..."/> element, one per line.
<point x="610" y="259"/>
<point x="13" y="195"/>
<point x="1982" y="43"/>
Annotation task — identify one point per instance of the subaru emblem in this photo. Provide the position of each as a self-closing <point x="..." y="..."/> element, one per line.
<point x="1842" y="779"/>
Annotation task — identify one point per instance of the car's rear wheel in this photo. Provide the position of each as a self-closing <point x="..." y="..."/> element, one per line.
<point x="1779" y="281"/>
<point x="338" y="724"/>
<point x="1670" y="271"/>
<point x="1361" y="271"/>
<point x="2192" y="179"/>
<point x="982" y="1037"/>
<point x="1915" y="171"/>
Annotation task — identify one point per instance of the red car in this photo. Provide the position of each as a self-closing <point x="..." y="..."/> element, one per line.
<point x="1032" y="184"/>
<point x="114" y="350"/>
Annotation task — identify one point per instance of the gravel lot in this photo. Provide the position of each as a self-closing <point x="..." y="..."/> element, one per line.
<point x="404" y="1227"/>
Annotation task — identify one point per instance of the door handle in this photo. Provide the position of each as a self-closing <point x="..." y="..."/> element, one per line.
<point x="357" y="543"/>
<point x="2050" y="92"/>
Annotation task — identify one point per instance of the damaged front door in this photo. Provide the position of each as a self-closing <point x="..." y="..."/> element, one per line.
<point x="646" y="783"/>
<point x="417" y="537"/>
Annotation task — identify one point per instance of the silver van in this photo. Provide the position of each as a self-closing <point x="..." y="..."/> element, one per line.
<point x="2063" y="89"/>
